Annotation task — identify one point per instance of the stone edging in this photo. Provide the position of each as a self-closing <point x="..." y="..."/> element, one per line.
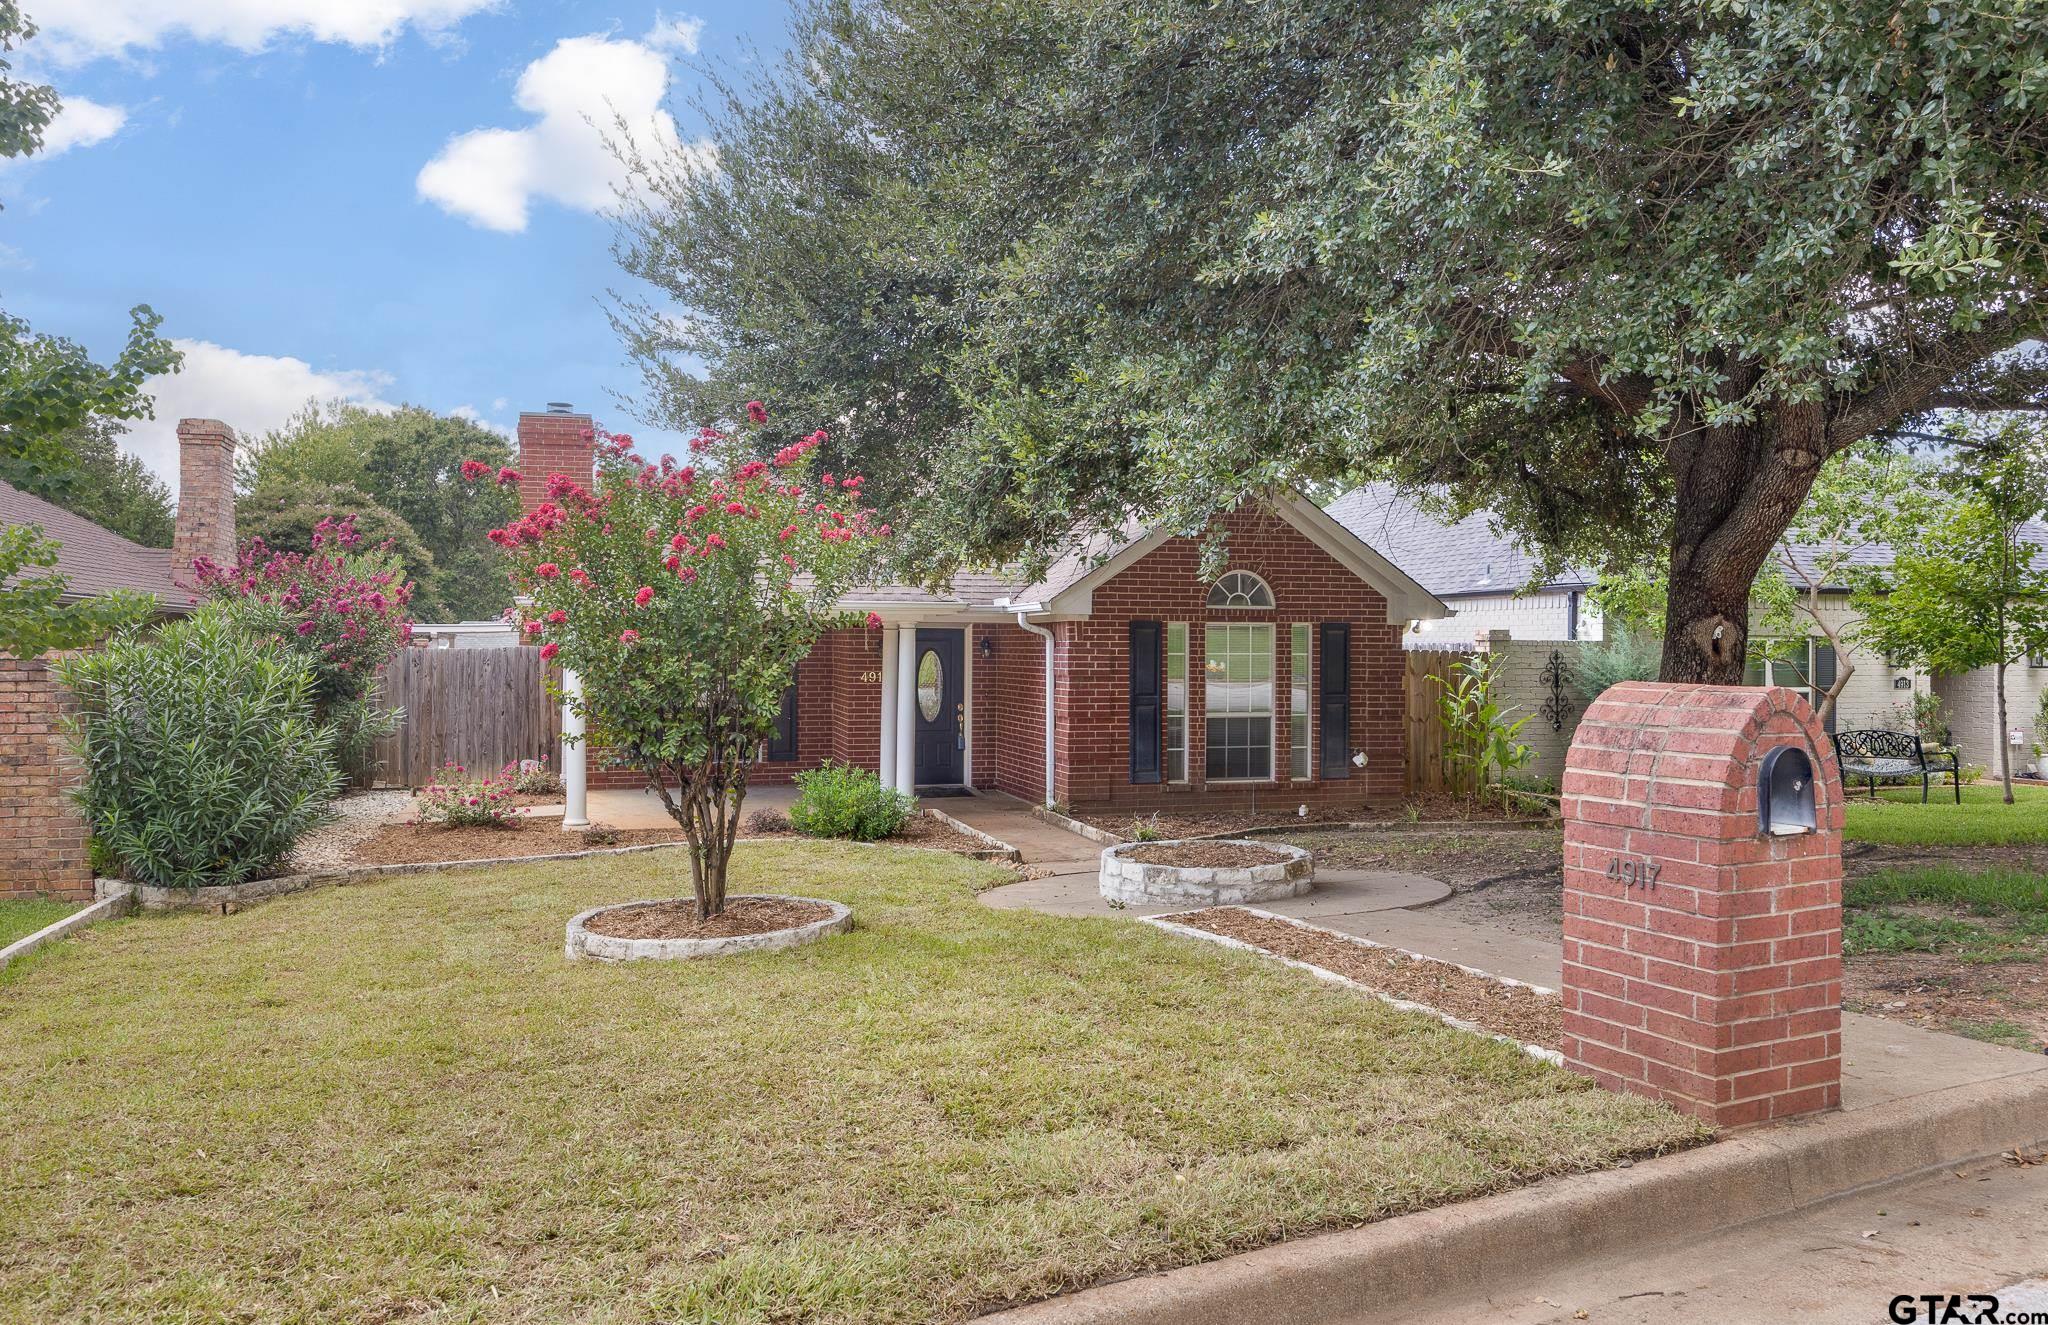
<point x="997" y="848"/>
<point x="117" y="901"/>
<point x="1137" y="882"/>
<point x="1075" y="826"/>
<point x="1548" y="1055"/>
<point x="580" y="944"/>
<point x="216" y="897"/>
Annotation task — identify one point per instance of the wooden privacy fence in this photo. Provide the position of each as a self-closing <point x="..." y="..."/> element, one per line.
<point x="1427" y="672"/>
<point x="482" y="708"/>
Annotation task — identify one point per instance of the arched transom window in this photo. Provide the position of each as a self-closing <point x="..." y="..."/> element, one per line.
<point x="1240" y="588"/>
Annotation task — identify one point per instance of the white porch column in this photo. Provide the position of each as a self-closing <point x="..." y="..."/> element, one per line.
<point x="575" y="757"/>
<point x="906" y="712"/>
<point x="885" y="742"/>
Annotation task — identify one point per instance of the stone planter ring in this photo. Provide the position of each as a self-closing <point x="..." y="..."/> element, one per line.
<point x="1137" y="883"/>
<point x="582" y="944"/>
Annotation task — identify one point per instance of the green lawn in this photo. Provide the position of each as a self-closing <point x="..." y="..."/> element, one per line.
<point x="19" y="919"/>
<point x="397" y="1101"/>
<point x="1897" y="818"/>
<point x="2010" y="907"/>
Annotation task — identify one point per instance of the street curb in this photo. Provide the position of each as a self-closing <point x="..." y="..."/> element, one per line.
<point x="1494" y="1242"/>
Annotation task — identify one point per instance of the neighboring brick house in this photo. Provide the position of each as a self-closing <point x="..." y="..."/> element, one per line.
<point x="42" y="839"/>
<point x="1278" y="682"/>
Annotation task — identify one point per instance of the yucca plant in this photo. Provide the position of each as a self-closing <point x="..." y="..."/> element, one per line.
<point x="203" y="760"/>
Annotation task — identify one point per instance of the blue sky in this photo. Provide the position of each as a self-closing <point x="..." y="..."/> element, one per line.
<point x="383" y="200"/>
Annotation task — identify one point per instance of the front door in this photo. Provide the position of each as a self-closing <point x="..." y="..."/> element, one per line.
<point x="941" y="709"/>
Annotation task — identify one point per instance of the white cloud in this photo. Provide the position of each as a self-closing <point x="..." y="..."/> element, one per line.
<point x="578" y="94"/>
<point x="476" y="416"/>
<point x="82" y="122"/>
<point x="252" y="393"/>
<point x="75" y="31"/>
<point x="675" y="34"/>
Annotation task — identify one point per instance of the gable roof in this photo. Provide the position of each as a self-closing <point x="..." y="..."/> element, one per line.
<point x="1452" y="560"/>
<point x="1066" y="589"/>
<point x="94" y="560"/>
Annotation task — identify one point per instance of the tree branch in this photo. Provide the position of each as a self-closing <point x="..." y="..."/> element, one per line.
<point x="1911" y="388"/>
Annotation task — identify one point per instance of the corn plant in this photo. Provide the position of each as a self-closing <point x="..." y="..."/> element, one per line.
<point x="203" y="760"/>
<point x="1479" y="740"/>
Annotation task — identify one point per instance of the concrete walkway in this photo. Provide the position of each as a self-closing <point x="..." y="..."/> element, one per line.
<point x="1008" y="819"/>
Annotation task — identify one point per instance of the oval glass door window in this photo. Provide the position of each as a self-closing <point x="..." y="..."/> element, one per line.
<point x="931" y="684"/>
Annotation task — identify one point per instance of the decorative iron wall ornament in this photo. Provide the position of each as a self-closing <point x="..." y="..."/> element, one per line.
<point x="1556" y="675"/>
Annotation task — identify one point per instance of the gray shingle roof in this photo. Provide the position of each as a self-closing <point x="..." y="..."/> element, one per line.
<point x="92" y="559"/>
<point x="1449" y="560"/>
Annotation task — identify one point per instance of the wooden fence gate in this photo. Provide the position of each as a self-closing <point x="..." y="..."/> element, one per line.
<point x="1427" y="672"/>
<point x="481" y="708"/>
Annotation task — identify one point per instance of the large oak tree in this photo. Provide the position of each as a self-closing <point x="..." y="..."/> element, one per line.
<point x="1627" y="273"/>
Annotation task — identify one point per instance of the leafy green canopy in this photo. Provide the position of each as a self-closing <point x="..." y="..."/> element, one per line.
<point x="683" y="597"/>
<point x="341" y="459"/>
<point x="1625" y="272"/>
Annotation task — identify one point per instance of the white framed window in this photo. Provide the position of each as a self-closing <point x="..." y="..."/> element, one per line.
<point x="1176" y="701"/>
<point x="1298" y="761"/>
<point x="1238" y="691"/>
<point x="1240" y="589"/>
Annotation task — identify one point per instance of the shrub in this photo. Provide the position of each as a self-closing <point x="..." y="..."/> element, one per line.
<point x="533" y="777"/>
<point x="461" y="799"/>
<point x="768" y="823"/>
<point x="1623" y="656"/>
<point x="203" y="760"/>
<point x="840" y="800"/>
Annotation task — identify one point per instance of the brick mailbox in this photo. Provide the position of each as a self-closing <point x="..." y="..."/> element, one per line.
<point x="1703" y="901"/>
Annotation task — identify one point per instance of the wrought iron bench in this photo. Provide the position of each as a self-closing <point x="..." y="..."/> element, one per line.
<point x="1878" y="754"/>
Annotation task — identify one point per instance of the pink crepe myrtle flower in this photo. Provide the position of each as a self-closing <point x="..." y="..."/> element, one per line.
<point x="472" y="470"/>
<point x="547" y="570"/>
<point x="713" y="542"/>
<point x="687" y="574"/>
<point x="533" y="627"/>
<point x="874" y="621"/>
<point x="644" y="595"/>
<point x="757" y="412"/>
<point x="629" y="637"/>
<point x="508" y="475"/>
<point x="548" y="652"/>
<point x="557" y="617"/>
<point x="581" y="576"/>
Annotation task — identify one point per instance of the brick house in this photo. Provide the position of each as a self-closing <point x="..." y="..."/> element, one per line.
<point x="42" y="839"/>
<point x="1122" y="677"/>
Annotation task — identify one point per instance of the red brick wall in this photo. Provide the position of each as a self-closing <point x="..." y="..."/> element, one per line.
<point x="1093" y="728"/>
<point x="1714" y="983"/>
<point x="552" y="444"/>
<point x="42" y="839"/>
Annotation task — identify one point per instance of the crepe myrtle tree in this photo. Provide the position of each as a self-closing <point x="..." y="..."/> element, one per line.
<point x="683" y="595"/>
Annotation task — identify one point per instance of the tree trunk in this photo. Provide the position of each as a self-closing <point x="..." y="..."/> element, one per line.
<point x="1734" y="490"/>
<point x="2004" y="745"/>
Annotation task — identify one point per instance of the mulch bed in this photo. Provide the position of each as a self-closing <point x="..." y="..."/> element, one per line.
<point x="1512" y="1010"/>
<point x="419" y="844"/>
<point x="1210" y="823"/>
<point x="1204" y="855"/>
<point x="542" y="835"/>
<point x="678" y="920"/>
<point x="920" y="830"/>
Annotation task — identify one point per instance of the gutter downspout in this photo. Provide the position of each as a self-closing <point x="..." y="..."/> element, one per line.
<point x="1045" y="635"/>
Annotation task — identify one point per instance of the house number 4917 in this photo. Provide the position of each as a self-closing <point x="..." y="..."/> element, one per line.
<point x="1634" y="873"/>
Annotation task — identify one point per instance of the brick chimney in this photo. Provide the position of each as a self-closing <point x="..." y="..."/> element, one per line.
<point x="555" y="441"/>
<point x="206" y="496"/>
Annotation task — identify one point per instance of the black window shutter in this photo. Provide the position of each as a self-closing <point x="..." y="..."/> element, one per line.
<point x="782" y="745"/>
<point x="1146" y="670"/>
<point x="1334" y="729"/>
<point x="1823" y="675"/>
